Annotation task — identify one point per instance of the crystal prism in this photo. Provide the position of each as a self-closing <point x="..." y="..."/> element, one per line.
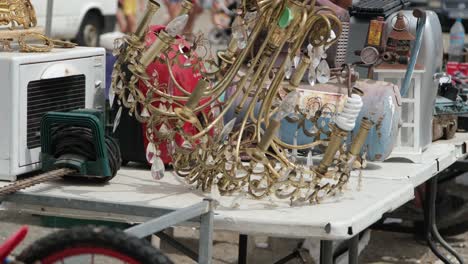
<point x="145" y="112"/>
<point x="287" y="106"/>
<point x="119" y="85"/>
<point x="111" y="97"/>
<point x="170" y="147"/>
<point x="150" y="152"/>
<point x="317" y="56"/>
<point x="296" y="61"/>
<point x="227" y="129"/>
<point x="162" y="107"/>
<point x="157" y="168"/>
<point x="117" y="119"/>
<point x="323" y="72"/>
<point x="210" y="160"/>
<point x="294" y="151"/>
<point x="312" y="76"/>
<point x="310" y="50"/>
<point x="130" y="98"/>
<point x="163" y="129"/>
<point x="288" y="67"/>
<point x="310" y="161"/>
<point x="187" y="145"/>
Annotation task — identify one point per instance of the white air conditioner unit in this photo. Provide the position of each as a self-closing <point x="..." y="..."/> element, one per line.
<point x="35" y="83"/>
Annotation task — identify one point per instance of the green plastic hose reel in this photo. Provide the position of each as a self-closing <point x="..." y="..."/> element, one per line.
<point x="89" y="118"/>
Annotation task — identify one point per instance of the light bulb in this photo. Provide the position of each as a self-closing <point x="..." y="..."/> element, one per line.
<point x="177" y="25"/>
<point x="346" y="120"/>
<point x="287" y="105"/>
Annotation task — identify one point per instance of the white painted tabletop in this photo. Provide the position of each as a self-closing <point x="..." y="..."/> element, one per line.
<point x="436" y="158"/>
<point x="346" y="214"/>
<point x="384" y="187"/>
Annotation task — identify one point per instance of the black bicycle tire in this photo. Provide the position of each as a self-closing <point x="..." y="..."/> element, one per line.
<point x="138" y="249"/>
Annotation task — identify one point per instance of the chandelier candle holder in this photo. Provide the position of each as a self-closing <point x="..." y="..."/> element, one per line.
<point x="246" y="154"/>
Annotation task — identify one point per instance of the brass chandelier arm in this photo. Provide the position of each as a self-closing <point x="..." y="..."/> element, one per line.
<point x="220" y="87"/>
<point x="244" y="121"/>
<point x="173" y="79"/>
<point x="276" y="47"/>
<point x="253" y="67"/>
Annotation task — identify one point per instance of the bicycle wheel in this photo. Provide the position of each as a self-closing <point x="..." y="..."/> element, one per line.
<point x="91" y="245"/>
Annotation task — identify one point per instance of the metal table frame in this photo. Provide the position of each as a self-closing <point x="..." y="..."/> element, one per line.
<point x="162" y="218"/>
<point x="47" y="200"/>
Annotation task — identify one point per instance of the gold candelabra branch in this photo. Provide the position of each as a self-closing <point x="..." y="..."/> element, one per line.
<point x="246" y="154"/>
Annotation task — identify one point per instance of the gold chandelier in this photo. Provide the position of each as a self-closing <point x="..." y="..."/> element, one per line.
<point x="246" y="154"/>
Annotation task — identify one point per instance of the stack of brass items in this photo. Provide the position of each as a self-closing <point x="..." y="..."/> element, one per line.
<point x="20" y="16"/>
<point x="246" y="154"/>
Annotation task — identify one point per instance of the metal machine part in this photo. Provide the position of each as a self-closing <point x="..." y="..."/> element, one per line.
<point x="369" y="55"/>
<point x="382" y="106"/>
<point x="431" y="56"/>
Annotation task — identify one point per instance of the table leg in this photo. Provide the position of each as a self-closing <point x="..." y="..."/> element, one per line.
<point x="205" y="246"/>
<point x="432" y="233"/>
<point x="326" y="252"/>
<point x="353" y="245"/>
<point x="242" y="259"/>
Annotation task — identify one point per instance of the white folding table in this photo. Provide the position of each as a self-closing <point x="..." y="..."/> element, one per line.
<point x="134" y="197"/>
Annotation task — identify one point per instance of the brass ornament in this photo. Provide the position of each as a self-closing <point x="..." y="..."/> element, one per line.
<point x="17" y="13"/>
<point x="25" y="47"/>
<point x="246" y="155"/>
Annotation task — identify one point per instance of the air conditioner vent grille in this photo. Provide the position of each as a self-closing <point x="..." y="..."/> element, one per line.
<point x="57" y="94"/>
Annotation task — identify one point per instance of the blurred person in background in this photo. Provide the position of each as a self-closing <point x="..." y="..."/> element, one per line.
<point x="197" y="9"/>
<point x="127" y="15"/>
<point x="173" y="8"/>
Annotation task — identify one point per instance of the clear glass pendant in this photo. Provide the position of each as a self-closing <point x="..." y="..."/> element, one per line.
<point x="130" y="98"/>
<point x="310" y="161"/>
<point x="288" y="68"/>
<point x="210" y="160"/>
<point x="296" y="61"/>
<point x="111" y="97"/>
<point x="162" y="107"/>
<point x="187" y="145"/>
<point x="157" y="168"/>
<point x="317" y="56"/>
<point x="117" y="119"/>
<point x="163" y="129"/>
<point x="224" y="135"/>
<point x="145" y="112"/>
<point x="150" y="152"/>
<point x="170" y="147"/>
<point x="312" y="76"/>
<point x="323" y="72"/>
<point x="119" y="85"/>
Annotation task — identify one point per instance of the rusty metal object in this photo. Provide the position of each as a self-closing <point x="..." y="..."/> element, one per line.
<point x="23" y="184"/>
<point x="382" y="106"/>
<point x="375" y="34"/>
<point x="17" y="12"/>
<point x="399" y="39"/>
<point x="444" y="127"/>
